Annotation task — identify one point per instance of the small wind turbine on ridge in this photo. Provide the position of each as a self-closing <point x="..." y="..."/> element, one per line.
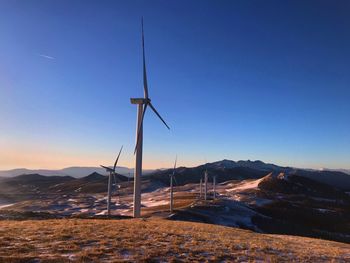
<point x="111" y="172"/>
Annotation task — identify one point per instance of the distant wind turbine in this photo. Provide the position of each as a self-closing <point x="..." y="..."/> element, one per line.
<point x="142" y="104"/>
<point x="172" y="178"/>
<point x="111" y="173"/>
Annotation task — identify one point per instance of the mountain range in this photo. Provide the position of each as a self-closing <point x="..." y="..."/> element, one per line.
<point x="75" y="171"/>
<point x="230" y="170"/>
<point x="223" y="170"/>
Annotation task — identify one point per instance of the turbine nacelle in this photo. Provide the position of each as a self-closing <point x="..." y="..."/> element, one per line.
<point x="110" y="170"/>
<point x="139" y="101"/>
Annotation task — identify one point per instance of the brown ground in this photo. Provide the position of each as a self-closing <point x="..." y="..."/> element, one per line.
<point x="131" y="240"/>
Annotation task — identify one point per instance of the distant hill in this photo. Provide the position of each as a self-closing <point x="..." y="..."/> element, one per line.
<point x="185" y="175"/>
<point x="300" y="185"/>
<point x="37" y="179"/>
<point x="33" y="186"/>
<point x="27" y="186"/>
<point x="230" y="170"/>
<point x="346" y="171"/>
<point x="334" y="178"/>
<point x="69" y="171"/>
<point x="257" y="165"/>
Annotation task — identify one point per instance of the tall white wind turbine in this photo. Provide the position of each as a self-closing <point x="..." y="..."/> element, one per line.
<point x="142" y="104"/>
<point x="111" y="173"/>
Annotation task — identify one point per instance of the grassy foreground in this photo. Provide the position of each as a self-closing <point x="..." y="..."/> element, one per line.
<point x="129" y="240"/>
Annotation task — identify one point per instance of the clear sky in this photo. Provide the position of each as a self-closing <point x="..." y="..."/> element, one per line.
<point x="264" y="80"/>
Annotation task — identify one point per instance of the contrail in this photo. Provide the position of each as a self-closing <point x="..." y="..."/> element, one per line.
<point x="46" y="56"/>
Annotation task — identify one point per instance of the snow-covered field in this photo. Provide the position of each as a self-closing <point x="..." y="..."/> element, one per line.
<point x="244" y="185"/>
<point x="122" y="204"/>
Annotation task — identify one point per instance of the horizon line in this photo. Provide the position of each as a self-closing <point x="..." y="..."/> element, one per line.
<point x="161" y="168"/>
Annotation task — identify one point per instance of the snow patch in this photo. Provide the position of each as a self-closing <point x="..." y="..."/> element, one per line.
<point x="103" y="212"/>
<point x="152" y="203"/>
<point x="245" y="185"/>
<point x="4" y="206"/>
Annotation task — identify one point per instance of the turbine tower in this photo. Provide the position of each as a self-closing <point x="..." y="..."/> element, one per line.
<point x="142" y="104"/>
<point x="111" y="173"/>
<point x="172" y="178"/>
<point x="205" y="185"/>
<point x="214" y="186"/>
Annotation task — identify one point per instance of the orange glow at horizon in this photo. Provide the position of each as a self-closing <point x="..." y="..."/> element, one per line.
<point x="44" y="158"/>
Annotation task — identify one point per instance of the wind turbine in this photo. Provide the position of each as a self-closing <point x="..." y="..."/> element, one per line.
<point x="111" y="173"/>
<point x="172" y="178"/>
<point x="142" y="104"/>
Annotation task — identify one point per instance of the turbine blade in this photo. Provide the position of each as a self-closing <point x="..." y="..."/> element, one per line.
<point x="116" y="161"/>
<point x="145" y="86"/>
<point x="160" y="117"/>
<point x="139" y="130"/>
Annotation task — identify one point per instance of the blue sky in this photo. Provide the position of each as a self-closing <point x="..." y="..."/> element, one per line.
<point x="264" y="80"/>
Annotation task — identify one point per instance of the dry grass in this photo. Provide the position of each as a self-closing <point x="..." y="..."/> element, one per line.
<point x="65" y="240"/>
<point x="181" y="200"/>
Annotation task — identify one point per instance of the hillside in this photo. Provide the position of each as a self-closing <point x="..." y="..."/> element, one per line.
<point x="276" y="204"/>
<point x="80" y="240"/>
